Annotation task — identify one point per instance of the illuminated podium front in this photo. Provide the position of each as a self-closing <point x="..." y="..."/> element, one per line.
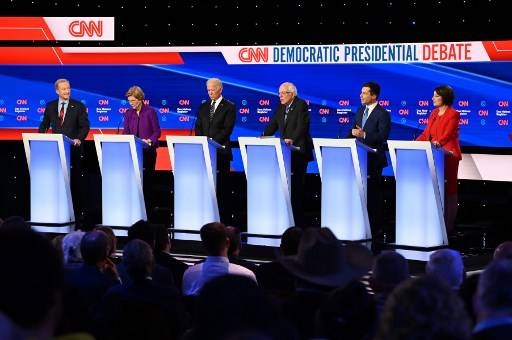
<point x="342" y="164"/>
<point x="194" y="165"/>
<point x="267" y="168"/>
<point x="419" y="175"/>
<point x="51" y="204"/>
<point x="120" y="162"/>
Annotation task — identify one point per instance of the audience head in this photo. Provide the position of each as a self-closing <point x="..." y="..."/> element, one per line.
<point x="447" y="265"/>
<point x="215" y="238"/>
<point x="94" y="247"/>
<point x="347" y="313"/>
<point x="231" y="304"/>
<point x="290" y="241"/>
<point x="235" y="241"/>
<point x="32" y="279"/>
<point x="142" y="230"/>
<point x="503" y="251"/>
<point x="15" y="222"/>
<point x="71" y="246"/>
<point x="112" y="239"/>
<point x="424" y="307"/>
<point x="162" y="239"/>
<point x="138" y="259"/>
<point x="494" y="293"/>
<point x="389" y="269"/>
<point x="323" y="260"/>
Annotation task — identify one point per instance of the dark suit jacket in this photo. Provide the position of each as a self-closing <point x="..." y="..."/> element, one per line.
<point x="75" y="124"/>
<point x="221" y="126"/>
<point x="296" y="126"/>
<point x="377" y="132"/>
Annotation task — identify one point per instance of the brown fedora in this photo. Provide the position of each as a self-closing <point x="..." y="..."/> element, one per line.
<point x="324" y="260"/>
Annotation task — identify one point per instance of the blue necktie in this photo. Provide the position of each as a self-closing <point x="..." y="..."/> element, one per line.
<point x="365" y="116"/>
<point x="212" y="109"/>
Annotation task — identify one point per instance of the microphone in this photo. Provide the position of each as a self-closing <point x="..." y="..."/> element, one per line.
<point x="119" y="124"/>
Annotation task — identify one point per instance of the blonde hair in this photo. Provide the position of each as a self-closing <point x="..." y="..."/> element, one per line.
<point x="135" y="91"/>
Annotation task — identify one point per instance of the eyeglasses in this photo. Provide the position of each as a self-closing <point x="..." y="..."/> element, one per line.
<point x="133" y="100"/>
<point x="284" y="92"/>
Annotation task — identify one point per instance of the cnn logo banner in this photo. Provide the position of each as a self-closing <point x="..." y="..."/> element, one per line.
<point x="57" y="28"/>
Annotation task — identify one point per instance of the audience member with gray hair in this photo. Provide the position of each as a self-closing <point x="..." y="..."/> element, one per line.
<point x="447" y="265"/>
<point x="71" y="247"/>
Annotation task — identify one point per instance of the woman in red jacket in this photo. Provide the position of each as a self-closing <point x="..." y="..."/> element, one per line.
<point x="443" y="131"/>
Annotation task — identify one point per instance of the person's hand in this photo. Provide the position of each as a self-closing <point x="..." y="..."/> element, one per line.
<point x="148" y="141"/>
<point x="436" y="144"/>
<point x="358" y="132"/>
<point x="77" y="142"/>
<point x="288" y="141"/>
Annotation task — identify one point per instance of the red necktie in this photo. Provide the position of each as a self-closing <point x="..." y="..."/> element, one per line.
<point x="61" y="113"/>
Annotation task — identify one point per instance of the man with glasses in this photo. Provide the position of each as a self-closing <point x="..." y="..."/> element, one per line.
<point x="291" y="119"/>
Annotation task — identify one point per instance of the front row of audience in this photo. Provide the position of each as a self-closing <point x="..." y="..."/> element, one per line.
<point x="317" y="287"/>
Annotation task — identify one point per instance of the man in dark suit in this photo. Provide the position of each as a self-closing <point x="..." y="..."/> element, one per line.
<point x="216" y="119"/>
<point x="291" y="119"/>
<point x="371" y="126"/>
<point x="69" y="117"/>
<point x="73" y="122"/>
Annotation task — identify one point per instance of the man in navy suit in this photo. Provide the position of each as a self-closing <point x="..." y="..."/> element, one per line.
<point x="371" y="126"/>
<point x="216" y="119"/>
<point x="291" y="119"/>
<point x="69" y="117"/>
<point x="73" y="122"/>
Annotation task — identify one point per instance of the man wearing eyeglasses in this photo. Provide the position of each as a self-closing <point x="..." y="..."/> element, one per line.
<point x="291" y="119"/>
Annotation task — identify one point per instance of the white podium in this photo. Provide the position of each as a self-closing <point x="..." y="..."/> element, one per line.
<point x="120" y="162"/>
<point x="342" y="164"/>
<point x="419" y="175"/>
<point x="48" y="159"/>
<point x="194" y="164"/>
<point x="267" y="169"/>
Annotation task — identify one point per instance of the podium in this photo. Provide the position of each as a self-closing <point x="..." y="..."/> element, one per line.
<point x="419" y="175"/>
<point x="342" y="164"/>
<point x="120" y="162"/>
<point x="194" y="164"/>
<point x="267" y="168"/>
<point x="51" y="204"/>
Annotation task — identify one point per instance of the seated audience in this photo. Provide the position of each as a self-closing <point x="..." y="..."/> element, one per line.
<point x="235" y="247"/>
<point x="215" y="240"/>
<point x="424" y="307"/>
<point x="447" y="265"/>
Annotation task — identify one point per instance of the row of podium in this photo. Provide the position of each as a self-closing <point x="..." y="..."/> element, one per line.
<point x="418" y="169"/>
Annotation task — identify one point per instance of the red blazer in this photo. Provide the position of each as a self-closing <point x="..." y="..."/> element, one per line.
<point x="444" y="130"/>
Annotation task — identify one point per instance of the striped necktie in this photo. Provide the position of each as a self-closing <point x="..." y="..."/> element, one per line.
<point x="365" y="116"/>
<point x="212" y="109"/>
<point x="61" y="113"/>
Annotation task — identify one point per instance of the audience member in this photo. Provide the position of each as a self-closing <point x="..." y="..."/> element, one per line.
<point x="347" y="313"/>
<point x="146" y="231"/>
<point x="447" y="265"/>
<point x="141" y="308"/>
<point x="215" y="240"/>
<point x="493" y="303"/>
<point x="230" y="305"/>
<point x="71" y="248"/>
<point x="424" y="307"/>
<point x="321" y="265"/>
<point x="235" y="247"/>
<point x="31" y="285"/>
<point x="389" y="270"/>
<point x="272" y="277"/>
<point x="163" y="256"/>
<point x="503" y="251"/>
<point x="86" y="284"/>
